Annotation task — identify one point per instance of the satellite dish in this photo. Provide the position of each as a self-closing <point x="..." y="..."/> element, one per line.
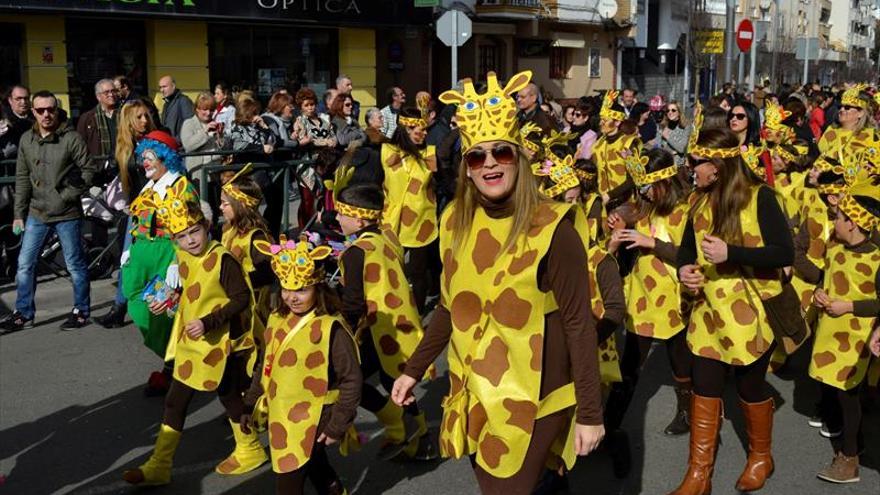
<point x="606" y="8"/>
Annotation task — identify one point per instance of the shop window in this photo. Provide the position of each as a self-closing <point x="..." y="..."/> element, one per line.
<point x="595" y="62"/>
<point x="489" y="59"/>
<point x="10" y="54"/>
<point x="265" y="59"/>
<point x="560" y="62"/>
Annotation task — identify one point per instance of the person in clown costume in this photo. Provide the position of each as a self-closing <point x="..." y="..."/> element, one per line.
<point x="654" y="300"/>
<point x="309" y="386"/>
<point x="378" y="303"/>
<point x="849" y="301"/>
<point x="210" y="342"/>
<point x="523" y="367"/>
<point x="615" y="186"/>
<point x="735" y="243"/>
<point x="410" y="210"/>
<point x="152" y="252"/>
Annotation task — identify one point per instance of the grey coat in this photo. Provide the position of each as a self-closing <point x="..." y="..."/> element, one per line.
<point x="178" y="107"/>
<point x="51" y="175"/>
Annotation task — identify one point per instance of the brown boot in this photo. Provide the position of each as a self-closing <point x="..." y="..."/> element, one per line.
<point x="681" y="423"/>
<point x="843" y="469"/>
<point x="705" y="424"/>
<point x="759" y="426"/>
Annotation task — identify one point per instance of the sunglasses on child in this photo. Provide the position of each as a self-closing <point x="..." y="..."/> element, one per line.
<point x="503" y="154"/>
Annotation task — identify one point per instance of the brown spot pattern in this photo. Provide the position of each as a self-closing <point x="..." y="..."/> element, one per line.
<point x="214" y="357"/>
<point x="389" y="346"/>
<point x="315" y="333"/>
<point x="842" y="338"/>
<point x="372" y="273"/>
<point x="288" y="463"/>
<point x="393" y="279"/>
<point x="465" y="310"/>
<point x="277" y="436"/>
<point x="520" y="263"/>
<point x="317" y="386"/>
<point x="536" y="345"/>
<point x="407" y="216"/>
<point x="426" y="230"/>
<point x="522" y="413"/>
<point x="492" y="449"/>
<point x="846" y="373"/>
<point x="494" y="363"/>
<point x="742" y="312"/>
<point x="287" y="358"/>
<point x="209" y="385"/>
<point x="194" y="291"/>
<point x="273" y="389"/>
<point x="210" y="262"/>
<point x="511" y="311"/>
<point x="824" y="358"/>
<point x="414" y="186"/>
<point x="485" y="251"/>
<point x="314" y="360"/>
<point x="299" y="412"/>
<point x="477" y="418"/>
<point x="308" y="441"/>
<point x="183" y="269"/>
<point x="185" y="369"/>
<point x="841" y="284"/>
<point x="710" y="353"/>
<point x="392" y="301"/>
<point x="645" y="329"/>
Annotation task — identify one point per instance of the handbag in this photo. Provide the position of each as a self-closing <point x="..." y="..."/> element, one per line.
<point x="784" y="314"/>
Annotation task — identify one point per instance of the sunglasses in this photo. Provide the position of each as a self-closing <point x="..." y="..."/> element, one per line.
<point x="347" y="105"/>
<point x="579" y="114"/>
<point x="502" y="154"/>
<point x="738" y="116"/>
<point x="849" y="107"/>
<point x="696" y="162"/>
<point x="41" y="111"/>
<point x="672" y="110"/>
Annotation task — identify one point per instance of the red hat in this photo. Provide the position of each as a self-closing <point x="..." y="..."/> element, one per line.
<point x="164" y="138"/>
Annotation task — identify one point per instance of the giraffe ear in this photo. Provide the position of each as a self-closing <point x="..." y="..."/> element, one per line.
<point x="320" y="252"/>
<point x="452" y="97"/>
<point x="518" y="82"/>
<point x="263" y="247"/>
<point x="149" y="203"/>
<point x="179" y="187"/>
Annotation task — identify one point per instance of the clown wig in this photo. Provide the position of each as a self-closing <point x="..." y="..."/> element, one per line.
<point x="169" y="157"/>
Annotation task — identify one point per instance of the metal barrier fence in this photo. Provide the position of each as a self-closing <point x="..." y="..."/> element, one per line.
<point x="284" y="169"/>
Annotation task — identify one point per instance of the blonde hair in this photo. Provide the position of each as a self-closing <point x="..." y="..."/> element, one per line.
<point x="127" y="137"/>
<point x="525" y="196"/>
<point x="205" y="101"/>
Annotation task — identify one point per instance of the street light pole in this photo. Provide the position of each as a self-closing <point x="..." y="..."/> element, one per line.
<point x="729" y="54"/>
<point x="774" y="23"/>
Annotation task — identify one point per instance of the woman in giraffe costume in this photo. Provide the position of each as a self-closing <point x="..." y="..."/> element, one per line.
<point x="410" y="210"/>
<point x="656" y="308"/>
<point x="735" y="243"/>
<point x="850" y="302"/>
<point x="524" y="377"/>
<point x="152" y="250"/>
<point x="309" y="386"/>
<point x="211" y="340"/>
<point x="615" y="186"/>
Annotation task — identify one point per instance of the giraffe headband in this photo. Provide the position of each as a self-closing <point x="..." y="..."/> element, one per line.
<point x="559" y="170"/>
<point x="774" y="116"/>
<point x="860" y="215"/>
<point x="637" y="166"/>
<point x="607" y="111"/>
<point x="293" y="262"/>
<point x="422" y="101"/>
<point x="790" y="152"/>
<point x="175" y="213"/>
<point x="234" y="192"/>
<point x="340" y="181"/>
<point x="705" y="151"/>
<point x="851" y="96"/>
<point x="490" y="116"/>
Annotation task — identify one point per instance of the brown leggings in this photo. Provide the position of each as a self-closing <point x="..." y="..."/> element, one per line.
<point x="318" y="470"/>
<point x="231" y="386"/>
<point x="547" y="429"/>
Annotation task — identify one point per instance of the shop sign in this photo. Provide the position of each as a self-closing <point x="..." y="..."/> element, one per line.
<point x="387" y="12"/>
<point x="710" y="41"/>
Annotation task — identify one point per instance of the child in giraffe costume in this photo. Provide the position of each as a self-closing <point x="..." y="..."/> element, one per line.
<point x="310" y="380"/>
<point x="850" y="302"/>
<point x="615" y="185"/>
<point x="211" y="340"/>
<point x="656" y="308"/>
<point x="378" y="303"/>
<point x="514" y="313"/>
<point x="410" y="209"/>
<point x="152" y="251"/>
<point x="731" y="254"/>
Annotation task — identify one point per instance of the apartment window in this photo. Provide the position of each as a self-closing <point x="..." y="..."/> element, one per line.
<point x="595" y="62"/>
<point x="489" y="59"/>
<point x="559" y="63"/>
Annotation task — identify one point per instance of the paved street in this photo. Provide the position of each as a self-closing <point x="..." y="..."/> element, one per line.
<point x="72" y="417"/>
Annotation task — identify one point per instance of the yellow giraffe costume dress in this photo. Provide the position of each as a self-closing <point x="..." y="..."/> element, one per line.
<point x="841" y="357"/>
<point x="295" y="379"/>
<point x="410" y="206"/>
<point x="606" y="151"/>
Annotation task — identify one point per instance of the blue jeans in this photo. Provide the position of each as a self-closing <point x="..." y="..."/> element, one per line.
<point x="35" y="233"/>
<point x="126" y="243"/>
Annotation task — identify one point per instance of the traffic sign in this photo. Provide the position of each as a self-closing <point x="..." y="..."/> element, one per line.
<point x="745" y="35"/>
<point x="454" y="28"/>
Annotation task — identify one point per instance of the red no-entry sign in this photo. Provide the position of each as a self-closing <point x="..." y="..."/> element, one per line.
<point x="745" y="35"/>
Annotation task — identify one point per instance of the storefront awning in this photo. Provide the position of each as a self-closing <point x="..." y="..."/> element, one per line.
<point x="569" y="40"/>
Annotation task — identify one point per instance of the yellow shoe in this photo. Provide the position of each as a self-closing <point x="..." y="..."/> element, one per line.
<point x="157" y="469"/>
<point x="391" y="416"/>
<point x="247" y="456"/>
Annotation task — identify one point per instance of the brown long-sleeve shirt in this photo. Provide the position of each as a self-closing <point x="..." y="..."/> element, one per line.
<point x="570" y="341"/>
<point x="613" y="300"/>
<point x="354" y="302"/>
<point x="344" y="374"/>
<point x="236" y="288"/>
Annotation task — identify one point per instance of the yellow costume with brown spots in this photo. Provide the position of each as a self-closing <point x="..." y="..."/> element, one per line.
<point x="410" y="209"/>
<point x="239" y="245"/>
<point x="496" y="348"/>
<point x="295" y="385"/>
<point x="611" y="167"/>
<point x="653" y="294"/>
<point x="813" y="214"/>
<point x="392" y="318"/>
<point x="199" y="363"/>
<point x="609" y="358"/>
<point x="841" y="144"/>
<point x="727" y="323"/>
<point x="840" y="353"/>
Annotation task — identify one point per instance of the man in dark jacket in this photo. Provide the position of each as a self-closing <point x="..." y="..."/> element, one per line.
<point x="178" y="107"/>
<point x="98" y="126"/>
<point x="51" y="174"/>
<point x="15" y="120"/>
<point x="530" y="110"/>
